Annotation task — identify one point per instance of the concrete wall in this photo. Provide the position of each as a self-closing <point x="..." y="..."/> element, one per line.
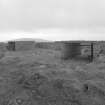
<point x="67" y="49"/>
<point x="24" y="45"/>
<point x="20" y="45"/>
<point x="71" y="50"/>
<point x="2" y="49"/>
<point x="11" y="46"/>
<point x="49" y="45"/>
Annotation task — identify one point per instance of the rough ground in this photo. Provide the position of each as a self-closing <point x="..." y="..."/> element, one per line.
<point x="42" y="78"/>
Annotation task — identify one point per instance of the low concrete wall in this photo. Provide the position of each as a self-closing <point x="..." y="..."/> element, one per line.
<point x="21" y="45"/>
<point x="71" y="50"/>
<point x="24" y="45"/>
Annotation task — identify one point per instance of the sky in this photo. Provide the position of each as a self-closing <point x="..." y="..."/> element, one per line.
<point x="52" y="19"/>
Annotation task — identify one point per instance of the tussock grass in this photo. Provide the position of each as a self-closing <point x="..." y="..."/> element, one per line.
<point x="39" y="78"/>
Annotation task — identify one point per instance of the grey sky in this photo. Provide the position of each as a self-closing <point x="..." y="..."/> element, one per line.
<point x="75" y="18"/>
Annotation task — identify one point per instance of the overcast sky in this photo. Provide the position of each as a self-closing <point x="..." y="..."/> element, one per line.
<point x="52" y="19"/>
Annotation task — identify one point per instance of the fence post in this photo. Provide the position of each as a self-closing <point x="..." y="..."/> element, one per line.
<point x="92" y="52"/>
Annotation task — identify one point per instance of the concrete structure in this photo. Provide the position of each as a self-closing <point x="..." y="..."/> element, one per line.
<point x="11" y="46"/>
<point x="24" y="45"/>
<point x="73" y="49"/>
<point x="21" y="45"/>
<point x="69" y="49"/>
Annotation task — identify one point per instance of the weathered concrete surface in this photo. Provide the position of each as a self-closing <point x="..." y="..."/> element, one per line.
<point x="71" y="50"/>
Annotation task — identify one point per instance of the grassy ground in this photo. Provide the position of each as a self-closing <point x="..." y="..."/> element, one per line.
<point x="41" y="77"/>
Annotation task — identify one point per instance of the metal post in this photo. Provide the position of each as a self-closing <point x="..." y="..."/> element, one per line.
<point x="92" y="52"/>
<point x="14" y="46"/>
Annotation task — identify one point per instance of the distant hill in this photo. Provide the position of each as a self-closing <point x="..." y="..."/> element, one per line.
<point x="31" y="39"/>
